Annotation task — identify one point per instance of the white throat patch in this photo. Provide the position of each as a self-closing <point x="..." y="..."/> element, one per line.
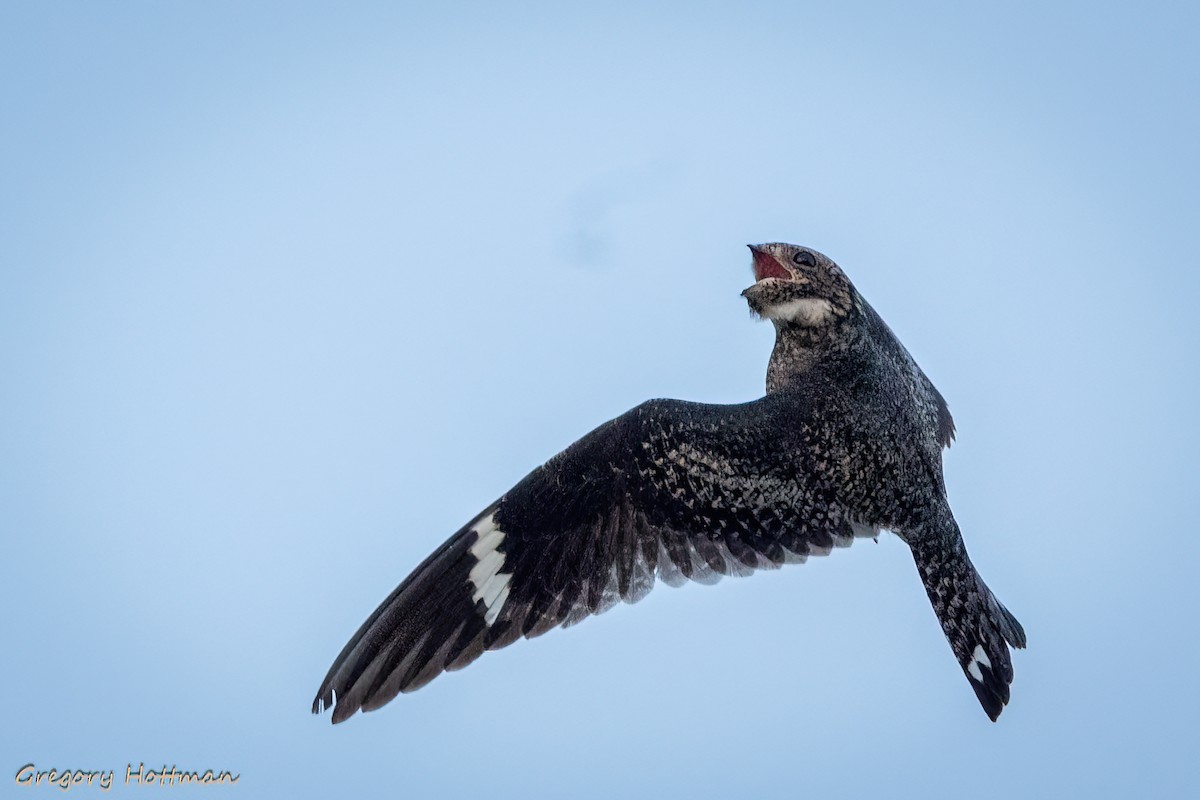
<point x="806" y="311"/>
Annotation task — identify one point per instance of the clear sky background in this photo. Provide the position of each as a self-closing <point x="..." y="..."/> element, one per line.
<point x="289" y="293"/>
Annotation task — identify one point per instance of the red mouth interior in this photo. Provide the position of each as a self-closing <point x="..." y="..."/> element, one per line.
<point x="766" y="266"/>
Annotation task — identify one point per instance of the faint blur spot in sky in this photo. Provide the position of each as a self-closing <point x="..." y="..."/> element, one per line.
<point x="588" y="238"/>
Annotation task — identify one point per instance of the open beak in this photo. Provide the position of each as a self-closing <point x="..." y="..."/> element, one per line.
<point x="766" y="265"/>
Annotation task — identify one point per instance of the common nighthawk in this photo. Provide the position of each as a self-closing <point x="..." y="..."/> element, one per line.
<point x="847" y="441"/>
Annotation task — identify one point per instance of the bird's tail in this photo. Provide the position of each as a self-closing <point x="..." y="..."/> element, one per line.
<point x="979" y="628"/>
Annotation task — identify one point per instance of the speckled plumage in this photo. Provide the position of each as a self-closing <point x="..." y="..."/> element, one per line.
<point x="846" y="441"/>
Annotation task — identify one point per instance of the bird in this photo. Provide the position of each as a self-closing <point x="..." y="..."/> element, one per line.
<point x="845" y="443"/>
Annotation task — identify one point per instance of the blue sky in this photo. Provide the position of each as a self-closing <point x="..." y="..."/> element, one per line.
<point x="289" y="292"/>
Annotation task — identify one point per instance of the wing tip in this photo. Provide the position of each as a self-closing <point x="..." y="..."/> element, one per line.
<point x="327" y="700"/>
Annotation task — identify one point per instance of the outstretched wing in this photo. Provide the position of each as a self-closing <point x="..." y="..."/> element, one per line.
<point x="670" y="489"/>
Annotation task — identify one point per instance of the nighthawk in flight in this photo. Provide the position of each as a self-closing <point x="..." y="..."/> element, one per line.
<point x="847" y="441"/>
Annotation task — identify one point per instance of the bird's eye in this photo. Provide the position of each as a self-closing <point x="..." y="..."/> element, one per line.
<point x="803" y="258"/>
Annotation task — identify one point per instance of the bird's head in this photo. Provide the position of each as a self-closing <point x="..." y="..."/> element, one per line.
<point x="796" y="285"/>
